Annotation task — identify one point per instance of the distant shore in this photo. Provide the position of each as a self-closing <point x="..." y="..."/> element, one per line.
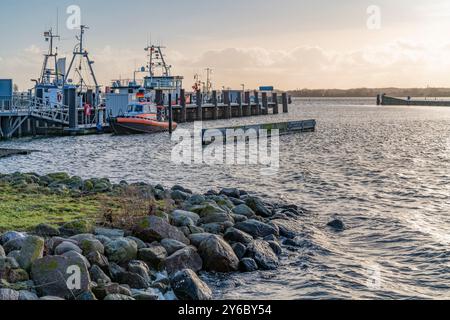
<point x="370" y="92"/>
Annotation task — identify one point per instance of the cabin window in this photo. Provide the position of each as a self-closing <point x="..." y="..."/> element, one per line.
<point x="139" y="109"/>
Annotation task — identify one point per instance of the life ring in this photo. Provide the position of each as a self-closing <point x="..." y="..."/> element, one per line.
<point x="59" y="96"/>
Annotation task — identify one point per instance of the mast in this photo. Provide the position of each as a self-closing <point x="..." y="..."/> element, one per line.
<point x="46" y="72"/>
<point x="156" y="60"/>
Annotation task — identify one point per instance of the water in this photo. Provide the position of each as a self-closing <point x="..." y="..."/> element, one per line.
<point x="383" y="170"/>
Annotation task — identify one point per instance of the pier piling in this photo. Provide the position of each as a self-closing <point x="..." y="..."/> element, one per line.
<point x="265" y="104"/>
<point x="285" y="102"/>
<point x="216" y="105"/>
<point x="275" y="101"/>
<point x="183" y="105"/>
<point x="199" y="106"/>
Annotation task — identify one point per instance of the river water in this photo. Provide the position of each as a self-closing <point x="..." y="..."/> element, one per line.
<point x="385" y="171"/>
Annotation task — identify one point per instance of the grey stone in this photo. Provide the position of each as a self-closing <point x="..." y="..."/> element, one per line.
<point x="153" y="256"/>
<point x="186" y="258"/>
<point x="25" y="295"/>
<point x="66" y="247"/>
<point x="233" y="235"/>
<point x="258" y="207"/>
<point x="45" y="230"/>
<point x="188" y="286"/>
<point x="2" y="252"/>
<point x="32" y="250"/>
<point x="11" y="235"/>
<point x="337" y="225"/>
<point x="91" y="245"/>
<point x="98" y="276"/>
<point x="52" y="273"/>
<point x="244" y="210"/>
<point x="96" y="258"/>
<point x="109" y="233"/>
<point x="275" y="247"/>
<point x="198" y="238"/>
<point x="256" y="228"/>
<point x="217" y="255"/>
<point x="172" y="246"/>
<point x="156" y="229"/>
<point x="262" y="253"/>
<point x="121" y="250"/>
<point x="248" y="265"/>
<point x="239" y="249"/>
<point x="140" y="244"/>
<point x="118" y="297"/>
<point x="9" y="295"/>
<point x="103" y="290"/>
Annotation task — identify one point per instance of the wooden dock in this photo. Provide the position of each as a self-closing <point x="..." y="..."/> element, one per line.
<point x="284" y="128"/>
<point x="384" y="100"/>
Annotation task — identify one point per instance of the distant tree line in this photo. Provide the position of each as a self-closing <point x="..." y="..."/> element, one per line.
<point x="371" y="92"/>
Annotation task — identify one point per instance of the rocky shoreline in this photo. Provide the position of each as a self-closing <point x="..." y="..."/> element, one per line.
<point x="158" y="257"/>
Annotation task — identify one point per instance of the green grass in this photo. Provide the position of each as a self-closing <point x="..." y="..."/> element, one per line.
<point x="24" y="208"/>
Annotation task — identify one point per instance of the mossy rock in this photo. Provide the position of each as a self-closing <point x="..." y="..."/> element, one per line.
<point x="59" y="176"/>
<point x="78" y="227"/>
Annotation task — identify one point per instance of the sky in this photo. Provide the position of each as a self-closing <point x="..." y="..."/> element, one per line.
<point x="289" y="44"/>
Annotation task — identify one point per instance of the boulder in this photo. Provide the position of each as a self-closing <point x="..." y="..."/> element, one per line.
<point x="198" y="238"/>
<point x="336" y="225"/>
<point x="288" y="228"/>
<point x="179" y="215"/>
<point x="262" y="253"/>
<point x="98" y="259"/>
<point x="233" y="235"/>
<point x="77" y="256"/>
<point x="25" y="295"/>
<point x="52" y="274"/>
<point x="186" y="258"/>
<point x="216" y="217"/>
<point x="109" y="233"/>
<point x="14" y="244"/>
<point x="67" y="246"/>
<point x="214" y="228"/>
<point x="207" y="208"/>
<point x="172" y="246"/>
<point x="156" y="229"/>
<point x="248" y="265"/>
<point x="217" y="255"/>
<point x="18" y="275"/>
<point x="91" y="245"/>
<point x="258" y="207"/>
<point x="188" y="286"/>
<point x="98" y="276"/>
<point x="9" y="295"/>
<point x="178" y="195"/>
<point x="76" y="227"/>
<point x="53" y="242"/>
<point x="244" y="210"/>
<point x="83" y="236"/>
<point x="140" y="268"/>
<point x="275" y="247"/>
<point x="133" y="280"/>
<point x="256" y="228"/>
<point x="121" y="250"/>
<point x="153" y="256"/>
<point x="140" y="244"/>
<point x="104" y="290"/>
<point x="11" y="235"/>
<point x="45" y="230"/>
<point x="32" y="249"/>
<point x="118" y="297"/>
<point x="231" y="192"/>
<point x="149" y="294"/>
<point x="2" y="252"/>
<point x="239" y="249"/>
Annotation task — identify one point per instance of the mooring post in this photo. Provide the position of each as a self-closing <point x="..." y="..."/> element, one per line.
<point x="183" y="105"/>
<point x="248" y="104"/>
<point x="284" y="98"/>
<point x="239" y="101"/>
<point x="73" y="110"/>
<point x="227" y="102"/>
<point x="265" y="104"/>
<point x="170" y="114"/>
<point x="275" y="101"/>
<point x="199" y="106"/>
<point x="216" y="105"/>
<point x="258" y="104"/>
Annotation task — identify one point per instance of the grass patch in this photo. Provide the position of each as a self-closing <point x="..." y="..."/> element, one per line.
<point x="23" y="209"/>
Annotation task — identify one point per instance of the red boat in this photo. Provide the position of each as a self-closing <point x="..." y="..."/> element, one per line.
<point x="141" y="118"/>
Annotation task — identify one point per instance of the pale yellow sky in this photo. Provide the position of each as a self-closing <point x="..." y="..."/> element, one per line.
<point x="287" y="43"/>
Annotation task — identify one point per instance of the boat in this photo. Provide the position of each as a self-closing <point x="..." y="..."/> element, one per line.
<point x="141" y="118"/>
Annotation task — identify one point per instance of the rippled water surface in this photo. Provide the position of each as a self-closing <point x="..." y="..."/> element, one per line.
<point x="385" y="171"/>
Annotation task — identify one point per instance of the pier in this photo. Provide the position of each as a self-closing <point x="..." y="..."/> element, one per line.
<point x="383" y="100"/>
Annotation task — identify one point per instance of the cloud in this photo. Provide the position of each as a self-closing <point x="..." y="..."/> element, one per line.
<point x="398" y="63"/>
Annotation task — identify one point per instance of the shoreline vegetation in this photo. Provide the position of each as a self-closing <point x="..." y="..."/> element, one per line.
<point x="370" y="92"/>
<point x="133" y="241"/>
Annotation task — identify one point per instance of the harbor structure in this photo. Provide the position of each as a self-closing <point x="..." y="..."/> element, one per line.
<point x="384" y="100"/>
